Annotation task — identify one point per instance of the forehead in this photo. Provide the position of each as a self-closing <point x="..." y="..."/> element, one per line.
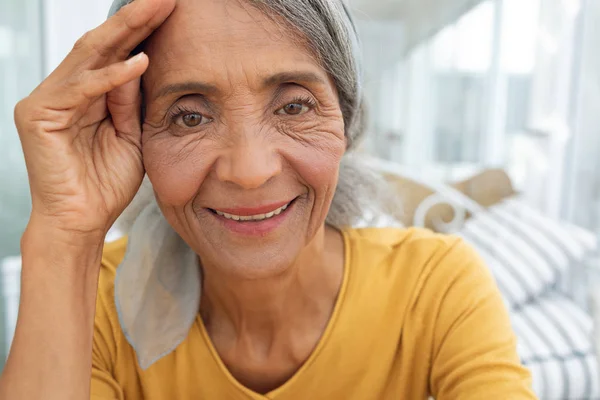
<point x="220" y="37"/>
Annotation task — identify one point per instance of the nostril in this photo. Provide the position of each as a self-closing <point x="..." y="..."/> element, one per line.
<point x="249" y="166"/>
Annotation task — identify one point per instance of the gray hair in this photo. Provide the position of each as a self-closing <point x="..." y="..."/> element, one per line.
<point x="327" y="25"/>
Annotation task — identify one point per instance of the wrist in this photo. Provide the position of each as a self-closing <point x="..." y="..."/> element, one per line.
<point x="52" y="229"/>
<point x="47" y="246"/>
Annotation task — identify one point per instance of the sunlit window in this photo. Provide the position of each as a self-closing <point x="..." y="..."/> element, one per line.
<point x="466" y="45"/>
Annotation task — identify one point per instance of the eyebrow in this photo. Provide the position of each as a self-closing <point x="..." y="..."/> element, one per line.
<point x="190" y="87"/>
<point x="301" y="77"/>
<point x="269" y="81"/>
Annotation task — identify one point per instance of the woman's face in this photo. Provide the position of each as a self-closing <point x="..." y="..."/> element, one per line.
<point x="241" y="121"/>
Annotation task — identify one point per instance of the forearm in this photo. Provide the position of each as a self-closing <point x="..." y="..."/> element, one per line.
<point x="51" y="353"/>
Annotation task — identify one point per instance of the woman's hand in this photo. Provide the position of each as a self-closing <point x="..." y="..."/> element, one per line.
<point x="80" y="128"/>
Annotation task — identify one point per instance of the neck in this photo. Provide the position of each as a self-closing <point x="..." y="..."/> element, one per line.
<point x="266" y="308"/>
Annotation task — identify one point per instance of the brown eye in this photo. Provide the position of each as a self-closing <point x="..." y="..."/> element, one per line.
<point x="295" y="108"/>
<point x="192" y="120"/>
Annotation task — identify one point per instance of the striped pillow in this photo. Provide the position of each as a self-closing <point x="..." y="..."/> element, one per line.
<point x="555" y="343"/>
<point x="527" y="252"/>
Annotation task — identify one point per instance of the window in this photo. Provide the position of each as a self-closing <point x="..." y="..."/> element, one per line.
<point x="20" y="72"/>
<point x="493" y="89"/>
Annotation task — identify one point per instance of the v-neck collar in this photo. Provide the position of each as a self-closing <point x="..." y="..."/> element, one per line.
<point x="314" y="356"/>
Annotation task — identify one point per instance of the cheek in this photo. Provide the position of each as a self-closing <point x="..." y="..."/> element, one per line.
<point x="316" y="158"/>
<point x="176" y="166"/>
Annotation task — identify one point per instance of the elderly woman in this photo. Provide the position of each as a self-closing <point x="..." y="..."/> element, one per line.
<point x="241" y="278"/>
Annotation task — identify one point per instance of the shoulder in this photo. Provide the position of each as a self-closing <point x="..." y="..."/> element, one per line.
<point x="395" y="237"/>
<point x="415" y="245"/>
<point x="417" y="260"/>
<point x="113" y="254"/>
<point x="108" y="338"/>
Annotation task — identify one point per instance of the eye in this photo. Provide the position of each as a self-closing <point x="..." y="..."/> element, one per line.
<point x="192" y="120"/>
<point x="298" y="106"/>
<point x="295" y="109"/>
<point x="187" y="118"/>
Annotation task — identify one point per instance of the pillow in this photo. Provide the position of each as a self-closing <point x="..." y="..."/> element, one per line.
<point x="555" y="343"/>
<point x="527" y="252"/>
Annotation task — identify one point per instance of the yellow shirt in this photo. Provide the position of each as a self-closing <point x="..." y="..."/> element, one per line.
<point x="418" y="314"/>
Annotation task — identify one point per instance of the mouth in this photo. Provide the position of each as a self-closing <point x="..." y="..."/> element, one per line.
<point x="257" y="221"/>
<point x="252" y="218"/>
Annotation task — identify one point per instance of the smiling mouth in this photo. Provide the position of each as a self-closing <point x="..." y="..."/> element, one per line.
<point x="253" y="218"/>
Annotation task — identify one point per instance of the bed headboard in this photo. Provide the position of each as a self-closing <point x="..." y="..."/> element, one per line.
<point x="489" y="187"/>
<point x="444" y="207"/>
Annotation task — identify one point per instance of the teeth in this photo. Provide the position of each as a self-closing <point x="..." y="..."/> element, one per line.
<point x="259" y="217"/>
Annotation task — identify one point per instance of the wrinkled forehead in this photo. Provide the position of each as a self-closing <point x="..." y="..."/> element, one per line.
<point x="204" y="10"/>
<point x="227" y="43"/>
<point x="223" y="21"/>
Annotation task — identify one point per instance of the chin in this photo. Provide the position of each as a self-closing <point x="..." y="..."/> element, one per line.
<point x="257" y="262"/>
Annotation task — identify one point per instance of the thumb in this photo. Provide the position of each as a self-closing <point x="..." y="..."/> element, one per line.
<point x="125" y="107"/>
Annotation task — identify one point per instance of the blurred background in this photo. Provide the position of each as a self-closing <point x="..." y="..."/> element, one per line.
<point x="455" y="89"/>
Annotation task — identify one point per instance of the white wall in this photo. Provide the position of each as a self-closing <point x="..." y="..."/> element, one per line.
<point x="67" y="20"/>
<point x="421" y="18"/>
<point x="383" y="46"/>
<point x="584" y="178"/>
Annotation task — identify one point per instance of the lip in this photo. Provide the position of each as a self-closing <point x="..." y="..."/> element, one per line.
<point x="255" y="228"/>
<point x="248" y="211"/>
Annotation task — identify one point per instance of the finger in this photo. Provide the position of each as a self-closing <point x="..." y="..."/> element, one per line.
<point x="117" y="37"/>
<point x="98" y="82"/>
<point x="84" y="87"/>
<point x="124" y="105"/>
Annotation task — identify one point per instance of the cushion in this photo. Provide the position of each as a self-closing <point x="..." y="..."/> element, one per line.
<point x="555" y="341"/>
<point x="528" y="253"/>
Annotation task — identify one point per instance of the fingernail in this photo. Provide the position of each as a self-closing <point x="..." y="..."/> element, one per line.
<point x="135" y="59"/>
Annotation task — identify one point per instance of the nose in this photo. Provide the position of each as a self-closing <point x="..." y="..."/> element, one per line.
<point x="249" y="164"/>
